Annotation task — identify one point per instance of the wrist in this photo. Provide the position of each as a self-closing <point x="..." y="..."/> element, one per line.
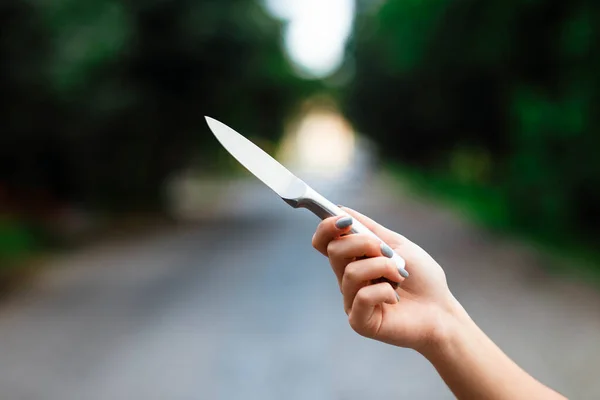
<point x="452" y="326"/>
<point x="473" y="367"/>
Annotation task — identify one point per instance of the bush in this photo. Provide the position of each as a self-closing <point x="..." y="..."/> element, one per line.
<point x="501" y="94"/>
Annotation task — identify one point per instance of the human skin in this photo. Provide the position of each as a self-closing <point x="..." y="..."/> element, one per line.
<point x="422" y="314"/>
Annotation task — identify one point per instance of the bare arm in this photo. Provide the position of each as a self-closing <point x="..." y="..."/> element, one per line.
<point x="421" y="314"/>
<point x="473" y="366"/>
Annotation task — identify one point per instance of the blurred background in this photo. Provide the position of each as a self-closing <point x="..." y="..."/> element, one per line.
<point x="139" y="260"/>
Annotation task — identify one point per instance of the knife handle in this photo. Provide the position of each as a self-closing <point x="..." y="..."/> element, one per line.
<point x="324" y="208"/>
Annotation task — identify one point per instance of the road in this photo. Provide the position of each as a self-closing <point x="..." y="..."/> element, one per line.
<point x="239" y="306"/>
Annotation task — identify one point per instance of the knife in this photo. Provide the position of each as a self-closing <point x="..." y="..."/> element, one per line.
<point x="288" y="186"/>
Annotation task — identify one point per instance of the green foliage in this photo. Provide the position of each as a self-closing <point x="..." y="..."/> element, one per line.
<point x="106" y="98"/>
<point x="16" y="241"/>
<point x="84" y="36"/>
<point x="499" y="95"/>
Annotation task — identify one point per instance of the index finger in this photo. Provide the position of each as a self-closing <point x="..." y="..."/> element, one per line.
<point x="390" y="237"/>
<point x="330" y="229"/>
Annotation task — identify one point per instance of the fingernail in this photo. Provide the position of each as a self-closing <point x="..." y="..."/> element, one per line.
<point x="401" y="264"/>
<point x="343" y="222"/>
<point x="387" y="250"/>
<point x="397" y="297"/>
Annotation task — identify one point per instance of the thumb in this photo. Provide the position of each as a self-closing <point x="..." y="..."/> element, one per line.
<point x="384" y="233"/>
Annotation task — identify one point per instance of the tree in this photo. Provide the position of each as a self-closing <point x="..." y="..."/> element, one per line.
<point x="509" y="84"/>
<point x="105" y="99"/>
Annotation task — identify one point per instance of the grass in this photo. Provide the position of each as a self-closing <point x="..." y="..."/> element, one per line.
<point x="487" y="207"/>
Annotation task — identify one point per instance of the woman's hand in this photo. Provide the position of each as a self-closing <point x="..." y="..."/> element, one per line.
<point x="417" y="314"/>
<point x="421" y="314"/>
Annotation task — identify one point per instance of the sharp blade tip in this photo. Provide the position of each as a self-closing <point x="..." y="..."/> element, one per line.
<point x="212" y="123"/>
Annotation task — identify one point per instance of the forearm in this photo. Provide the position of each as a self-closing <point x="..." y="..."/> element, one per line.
<point x="473" y="367"/>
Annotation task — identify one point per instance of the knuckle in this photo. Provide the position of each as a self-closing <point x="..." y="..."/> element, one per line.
<point x="314" y="241"/>
<point x="357" y="325"/>
<point x="351" y="273"/>
<point x="362" y="297"/>
<point x="332" y="248"/>
<point x="354" y="323"/>
<point x="373" y="246"/>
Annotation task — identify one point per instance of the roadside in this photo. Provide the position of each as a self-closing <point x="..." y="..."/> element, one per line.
<point x="486" y="208"/>
<point x="25" y="253"/>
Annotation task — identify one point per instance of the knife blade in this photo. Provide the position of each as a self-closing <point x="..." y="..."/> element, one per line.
<point x="288" y="186"/>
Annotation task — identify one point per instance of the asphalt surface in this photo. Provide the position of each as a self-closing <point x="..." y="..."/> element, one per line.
<point x="239" y="306"/>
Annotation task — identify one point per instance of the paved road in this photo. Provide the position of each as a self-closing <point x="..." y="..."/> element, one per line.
<point x="239" y="306"/>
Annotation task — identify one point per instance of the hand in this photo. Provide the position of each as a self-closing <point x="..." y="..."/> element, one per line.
<point x="421" y="314"/>
<point x="417" y="314"/>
